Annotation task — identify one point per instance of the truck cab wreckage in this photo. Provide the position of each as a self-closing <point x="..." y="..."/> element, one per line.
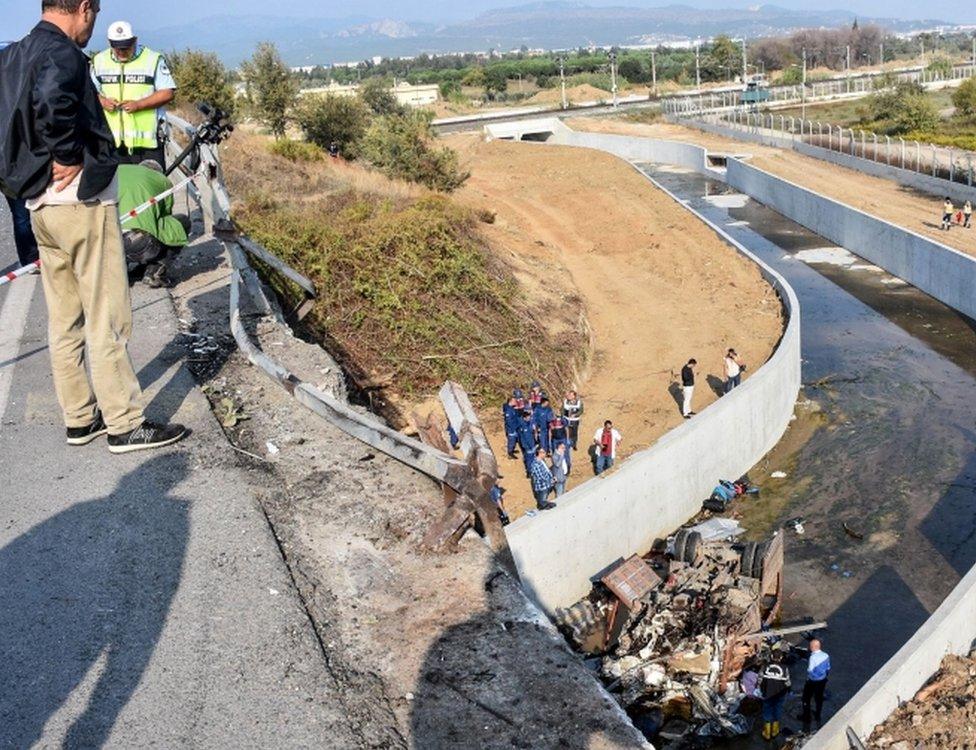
<point x="672" y="633"/>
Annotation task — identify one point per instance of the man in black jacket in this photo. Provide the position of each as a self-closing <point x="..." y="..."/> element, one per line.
<point x="57" y="151"/>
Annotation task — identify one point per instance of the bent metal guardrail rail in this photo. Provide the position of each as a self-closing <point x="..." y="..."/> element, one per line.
<point x="471" y="478"/>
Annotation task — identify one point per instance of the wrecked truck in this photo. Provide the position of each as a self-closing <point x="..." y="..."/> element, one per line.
<point x="672" y="632"/>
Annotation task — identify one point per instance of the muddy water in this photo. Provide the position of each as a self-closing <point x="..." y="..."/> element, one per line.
<point x="885" y="443"/>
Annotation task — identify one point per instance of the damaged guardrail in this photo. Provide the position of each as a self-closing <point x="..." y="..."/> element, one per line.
<point x="471" y="477"/>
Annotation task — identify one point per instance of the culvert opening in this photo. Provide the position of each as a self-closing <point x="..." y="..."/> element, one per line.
<point x="717" y="160"/>
<point x="539" y="137"/>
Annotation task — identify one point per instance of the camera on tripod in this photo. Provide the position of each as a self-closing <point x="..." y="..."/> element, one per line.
<point x="214" y="129"/>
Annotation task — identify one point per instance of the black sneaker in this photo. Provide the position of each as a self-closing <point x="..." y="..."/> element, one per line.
<point x="147" y="435"/>
<point x="84" y="435"/>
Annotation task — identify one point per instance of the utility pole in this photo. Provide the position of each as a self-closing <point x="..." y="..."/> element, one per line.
<point x="803" y="88"/>
<point x="562" y="80"/>
<point x="697" y="67"/>
<point x="654" y="68"/>
<point x="847" y="68"/>
<point x="881" y="54"/>
<point x="745" y="62"/>
<point x="922" y="43"/>
<point x="613" y="76"/>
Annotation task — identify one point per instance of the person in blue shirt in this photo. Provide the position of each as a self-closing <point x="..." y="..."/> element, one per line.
<point x="542" y="416"/>
<point x="542" y="481"/>
<point x="559" y="435"/>
<point x="818" y="669"/>
<point x="526" y="440"/>
<point x="510" y="413"/>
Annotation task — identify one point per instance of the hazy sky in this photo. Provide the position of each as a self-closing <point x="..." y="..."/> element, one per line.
<point x="17" y="16"/>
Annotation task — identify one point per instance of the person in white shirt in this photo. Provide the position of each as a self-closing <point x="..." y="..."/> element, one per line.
<point x="733" y="370"/>
<point x="606" y="440"/>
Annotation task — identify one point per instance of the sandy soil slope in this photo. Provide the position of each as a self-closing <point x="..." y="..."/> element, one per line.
<point x="658" y="286"/>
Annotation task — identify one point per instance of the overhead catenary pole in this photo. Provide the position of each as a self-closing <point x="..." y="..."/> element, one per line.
<point x="613" y="76"/>
<point x="803" y="88"/>
<point x="745" y="62"/>
<point x="562" y="80"/>
<point x="654" y="69"/>
<point x="697" y="66"/>
<point x="847" y="68"/>
<point x="881" y="54"/>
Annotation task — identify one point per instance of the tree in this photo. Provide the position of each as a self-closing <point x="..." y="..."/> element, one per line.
<point x="201" y="77"/>
<point x="631" y="69"/>
<point x="376" y="95"/>
<point x="727" y="54"/>
<point x="271" y="89"/>
<point x="902" y="108"/>
<point x="327" y="119"/>
<point x="401" y="146"/>
<point x="964" y="97"/>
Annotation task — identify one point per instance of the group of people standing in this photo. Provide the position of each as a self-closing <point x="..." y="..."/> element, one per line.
<point x="546" y="438"/>
<point x="733" y="367"/>
<point x="774" y="685"/>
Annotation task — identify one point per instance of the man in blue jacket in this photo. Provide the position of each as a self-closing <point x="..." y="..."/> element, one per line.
<point x="511" y="415"/>
<point x="526" y="440"/>
<point x="818" y="669"/>
<point x="542" y="416"/>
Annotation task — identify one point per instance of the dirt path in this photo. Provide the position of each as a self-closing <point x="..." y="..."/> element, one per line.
<point x="912" y="209"/>
<point x="658" y="287"/>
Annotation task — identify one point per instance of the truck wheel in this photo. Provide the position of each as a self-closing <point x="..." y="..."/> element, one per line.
<point x="679" y="545"/>
<point x="747" y="558"/>
<point x="759" y="560"/>
<point x="692" y="545"/>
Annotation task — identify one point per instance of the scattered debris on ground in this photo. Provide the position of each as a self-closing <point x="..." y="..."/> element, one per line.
<point x="941" y="716"/>
<point x="671" y="633"/>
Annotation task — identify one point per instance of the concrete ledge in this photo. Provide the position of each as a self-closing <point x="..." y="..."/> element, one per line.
<point x="560" y="552"/>
<point x="938" y="270"/>
<point x="950" y="630"/>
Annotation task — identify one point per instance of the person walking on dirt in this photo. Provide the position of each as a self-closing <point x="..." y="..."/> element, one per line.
<point x="774" y="684"/>
<point x="606" y="441"/>
<point x="967" y="214"/>
<point x="573" y="413"/>
<point x="510" y="414"/>
<point x="947" y="211"/>
<point x="542" y="481"/>
<point x="818" y="669"/>
<point x="526" y="440"/>
<point x="688" y="387"/>
<point x="560" y="467"/>
<point x="59" y="154"/>
<point x="733" y="370"/>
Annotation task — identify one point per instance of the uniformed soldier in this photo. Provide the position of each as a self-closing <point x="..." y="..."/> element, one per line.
<point x="134" y="84"/>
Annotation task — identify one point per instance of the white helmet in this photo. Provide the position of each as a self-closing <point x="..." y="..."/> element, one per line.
<point x="120" y="34"/>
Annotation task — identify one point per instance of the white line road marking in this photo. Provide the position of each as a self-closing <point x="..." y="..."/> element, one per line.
<point x="13" y="319"/>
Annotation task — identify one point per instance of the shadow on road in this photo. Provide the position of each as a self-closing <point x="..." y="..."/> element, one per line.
<point x="84" y="596"/>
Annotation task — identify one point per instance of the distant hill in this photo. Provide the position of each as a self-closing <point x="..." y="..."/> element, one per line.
<point x="307" y="41"/>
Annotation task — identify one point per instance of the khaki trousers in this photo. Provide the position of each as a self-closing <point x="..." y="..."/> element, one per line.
<point x="87" y="292"/>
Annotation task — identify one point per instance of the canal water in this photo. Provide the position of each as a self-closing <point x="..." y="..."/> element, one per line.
<point x="883" y="447"/>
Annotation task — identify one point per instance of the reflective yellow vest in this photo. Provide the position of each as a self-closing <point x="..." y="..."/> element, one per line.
<point x="129" y="81"/>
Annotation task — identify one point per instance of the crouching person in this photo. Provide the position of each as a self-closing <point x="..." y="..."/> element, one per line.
<point x="155" y="235"/>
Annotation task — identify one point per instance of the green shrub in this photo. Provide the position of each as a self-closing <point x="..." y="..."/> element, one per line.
<point x="327" y="119"/>
<point x="401" y="146"/>
<point x="296" y="150"/>
<point x="964" y="97"/>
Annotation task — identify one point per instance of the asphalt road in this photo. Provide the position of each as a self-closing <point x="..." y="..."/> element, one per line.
<point x="143" y="599"/>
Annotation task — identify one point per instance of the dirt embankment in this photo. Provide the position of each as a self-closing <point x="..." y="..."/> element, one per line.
<point x="658" y="286"/>
<point x="941" y="716"/>
<point x="906" y="207"/>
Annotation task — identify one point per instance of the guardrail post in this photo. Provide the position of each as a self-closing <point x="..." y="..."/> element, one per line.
<point x="935" y="159"/>
<point x="874" y="148"/>
<point x="864" y="143"/>
<point x="888" y="150"/>
<point x="918" y="156"/>
<point x="952" y="167"/>
<point x="830" y="137"/>
<point x="902" y="151"/>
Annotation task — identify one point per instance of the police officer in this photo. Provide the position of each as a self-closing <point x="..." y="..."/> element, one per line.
<point x="510" y="413"/>
<point x="134" y="84"/>
<point x="536" y="394"/>
<point x="542" y="416"/>
<point x="526" y="440"/>
<point x="774" y="682"/>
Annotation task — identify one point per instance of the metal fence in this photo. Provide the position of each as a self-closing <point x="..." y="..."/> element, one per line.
<point x="942" y="162"/>
<point x="836" y="88"/>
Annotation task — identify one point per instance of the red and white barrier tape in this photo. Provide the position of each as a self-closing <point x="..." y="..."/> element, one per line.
<point x="24" y="270"/>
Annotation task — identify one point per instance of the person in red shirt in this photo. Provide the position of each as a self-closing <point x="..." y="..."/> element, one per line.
<point x="606" y="441"/>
